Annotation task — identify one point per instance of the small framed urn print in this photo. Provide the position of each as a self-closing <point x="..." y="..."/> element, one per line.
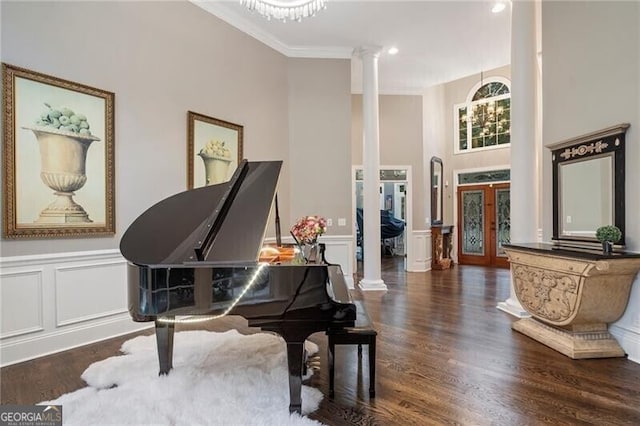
<point x="214" y="149"/>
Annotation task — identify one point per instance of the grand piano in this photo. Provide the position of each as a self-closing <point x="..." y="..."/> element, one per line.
<point x="196" y="253"/>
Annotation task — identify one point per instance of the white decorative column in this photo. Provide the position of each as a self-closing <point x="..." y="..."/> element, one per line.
<point x="372" y="279"/>
<point x="524" y="190"/>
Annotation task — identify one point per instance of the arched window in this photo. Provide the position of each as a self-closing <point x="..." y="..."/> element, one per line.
<point x="484" y="120"/>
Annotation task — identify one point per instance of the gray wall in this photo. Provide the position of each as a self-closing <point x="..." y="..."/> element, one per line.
<point x="400" y="142"/>
<point x="319" y="130"/>
<point x="439" y="133"/>
<point x="434" y="142"/>
<point x="162" y="59"/>
<point x="591" y="80"/>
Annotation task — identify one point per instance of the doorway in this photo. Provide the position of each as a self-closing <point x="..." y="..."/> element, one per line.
<point x="484" y="224"/>
<point x="395" y="209"/>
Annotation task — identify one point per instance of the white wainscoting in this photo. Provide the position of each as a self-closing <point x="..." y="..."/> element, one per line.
<point x="340" y="249"/>
<point x="50" y="303"/>
<point x="419" y="259"/>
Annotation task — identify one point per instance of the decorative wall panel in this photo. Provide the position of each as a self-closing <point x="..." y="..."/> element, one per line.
<point x="21" y="295"/>
<point x="419" y="256"/>
<point x="55" y="302"/>
<point x="76" y="284"/>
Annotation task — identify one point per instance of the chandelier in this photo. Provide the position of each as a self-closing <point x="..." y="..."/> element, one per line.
<point x="489" y="118"/>
<point x="293" y="10"/>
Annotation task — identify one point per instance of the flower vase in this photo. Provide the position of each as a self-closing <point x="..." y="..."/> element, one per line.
<point x="311" y="252"/>
<point x="607" y="247"/>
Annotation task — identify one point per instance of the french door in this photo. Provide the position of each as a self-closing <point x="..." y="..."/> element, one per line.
<point x="484" y="224"/>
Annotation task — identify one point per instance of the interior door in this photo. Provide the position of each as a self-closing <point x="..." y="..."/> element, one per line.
<point x="484" y="224"/>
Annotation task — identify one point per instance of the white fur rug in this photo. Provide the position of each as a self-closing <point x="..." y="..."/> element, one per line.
<point x="217" y="379"/>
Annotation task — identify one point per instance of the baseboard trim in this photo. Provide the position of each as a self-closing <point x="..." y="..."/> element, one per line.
<point x="629" y="340"/>
<point x="53" y="342"/>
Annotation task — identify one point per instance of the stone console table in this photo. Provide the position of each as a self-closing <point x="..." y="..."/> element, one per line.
<point x="572" y="295"/>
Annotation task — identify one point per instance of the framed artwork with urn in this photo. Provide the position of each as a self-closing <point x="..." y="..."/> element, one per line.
<point x="214" y="150"/>
<point x="58" y="157"/>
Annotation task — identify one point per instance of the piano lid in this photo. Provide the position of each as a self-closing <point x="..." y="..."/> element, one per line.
<point x="172" y="231"/>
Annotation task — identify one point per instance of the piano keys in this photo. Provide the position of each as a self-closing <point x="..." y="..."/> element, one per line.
<point x="196" y="254"/>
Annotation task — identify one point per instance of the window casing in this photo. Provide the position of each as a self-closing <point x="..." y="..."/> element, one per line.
<point x="484" y="120"/>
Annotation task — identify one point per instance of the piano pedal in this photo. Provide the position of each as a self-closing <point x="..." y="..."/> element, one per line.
<point x="313" y="363"/>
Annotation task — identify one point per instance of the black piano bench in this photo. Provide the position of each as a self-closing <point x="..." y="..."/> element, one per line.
<point x="361" y="334"/>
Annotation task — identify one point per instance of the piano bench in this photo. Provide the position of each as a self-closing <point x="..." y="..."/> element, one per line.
<point x="361" y="334"/>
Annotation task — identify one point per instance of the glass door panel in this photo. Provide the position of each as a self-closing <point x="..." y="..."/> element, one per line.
<point x="503" y="219"/>
<point x="484" y="223"/>
<point x="473" y="223"/>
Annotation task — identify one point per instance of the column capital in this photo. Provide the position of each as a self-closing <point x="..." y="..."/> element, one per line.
<point x="367" y="50"/>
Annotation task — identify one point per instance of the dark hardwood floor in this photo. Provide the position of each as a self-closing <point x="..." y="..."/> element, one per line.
<point x="446" y="355"/>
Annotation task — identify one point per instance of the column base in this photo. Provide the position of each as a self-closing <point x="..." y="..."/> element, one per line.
<point x="576" y="345"/>
<point x="512" y="307"/>
<point x="366" y="284"/>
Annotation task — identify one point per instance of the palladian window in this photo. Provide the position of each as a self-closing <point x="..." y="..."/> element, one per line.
<point x="484" y="121"/>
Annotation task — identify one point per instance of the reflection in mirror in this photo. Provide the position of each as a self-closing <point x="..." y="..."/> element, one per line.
<point x="581" y="215"/>
<point x="588" y="186"/>
<point x="437" y="174"/>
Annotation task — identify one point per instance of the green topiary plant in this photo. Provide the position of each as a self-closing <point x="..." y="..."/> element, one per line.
<point x="608" y="233"/>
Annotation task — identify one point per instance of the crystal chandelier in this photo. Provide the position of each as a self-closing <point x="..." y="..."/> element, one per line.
<point x="489" y="117"/>
<point x="293" y="10"/>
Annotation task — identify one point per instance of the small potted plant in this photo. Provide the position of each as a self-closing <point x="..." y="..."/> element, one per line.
<point x="608" y="235"/>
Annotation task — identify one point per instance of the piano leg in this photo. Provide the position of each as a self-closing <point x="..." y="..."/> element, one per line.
<point x="331" y="356"/>
<point x="164" y="339"/>
<point x="295" y="358"/>
<point x="294" y="334"/>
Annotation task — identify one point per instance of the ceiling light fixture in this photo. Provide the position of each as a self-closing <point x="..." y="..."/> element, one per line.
<point x="498" y="7"/>
<point x="392" y="50"/>
<point x="292" y="10"/>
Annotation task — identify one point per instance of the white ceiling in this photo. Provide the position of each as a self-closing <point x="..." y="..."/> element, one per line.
<point x="438" y="41"/>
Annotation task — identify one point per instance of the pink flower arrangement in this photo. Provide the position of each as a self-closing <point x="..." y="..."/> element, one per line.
<point x="308" y="228"/>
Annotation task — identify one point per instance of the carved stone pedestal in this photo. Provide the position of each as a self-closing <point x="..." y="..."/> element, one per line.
<point x="572" y="343"/>
<point x="572" y="296"/>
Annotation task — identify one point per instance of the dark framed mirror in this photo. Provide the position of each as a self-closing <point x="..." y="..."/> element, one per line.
<point x="436" y="187"/>
<point x="588" y="186"/>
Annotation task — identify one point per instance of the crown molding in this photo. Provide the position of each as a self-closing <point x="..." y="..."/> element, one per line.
<point x="221" y="11"/>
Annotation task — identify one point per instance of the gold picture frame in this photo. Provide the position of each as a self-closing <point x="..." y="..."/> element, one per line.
<point x="214" y="149"/>
<point x="58" y="157"/>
